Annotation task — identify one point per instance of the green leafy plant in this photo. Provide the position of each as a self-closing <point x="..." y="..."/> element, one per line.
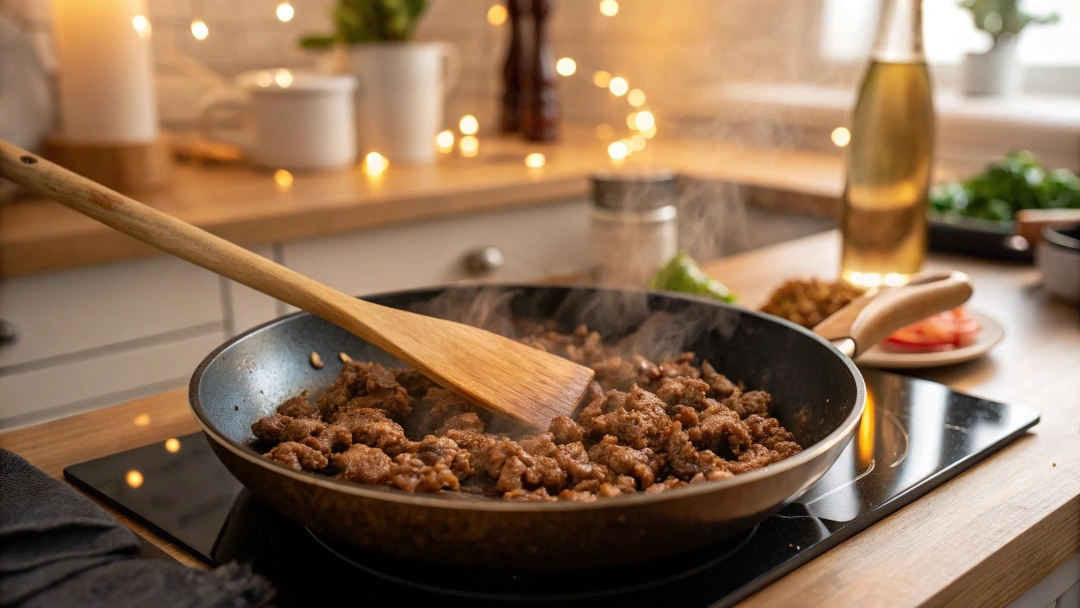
<point x="360" y="21"/>
<point x="1017" y="182"/>
<point x="1003" y="19"/>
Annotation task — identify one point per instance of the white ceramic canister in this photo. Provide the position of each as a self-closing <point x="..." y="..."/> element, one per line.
<point x="634" y="228"/>
<point x="294" y="120"/>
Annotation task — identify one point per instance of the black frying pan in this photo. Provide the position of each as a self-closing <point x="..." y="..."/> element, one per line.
<point x="817" y="393"/>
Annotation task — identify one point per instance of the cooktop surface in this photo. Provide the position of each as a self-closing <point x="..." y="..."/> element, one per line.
<point x="914" y="436"/>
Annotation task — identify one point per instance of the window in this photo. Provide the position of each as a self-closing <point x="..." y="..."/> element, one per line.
<point x="848" y="28"/>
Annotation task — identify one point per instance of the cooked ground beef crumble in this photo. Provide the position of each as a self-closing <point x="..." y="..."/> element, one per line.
<point x="646" y="426"/>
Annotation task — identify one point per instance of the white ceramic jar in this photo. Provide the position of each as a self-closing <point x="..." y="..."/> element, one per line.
<point x="634" y="228"/>
<point x="295" y="120"/>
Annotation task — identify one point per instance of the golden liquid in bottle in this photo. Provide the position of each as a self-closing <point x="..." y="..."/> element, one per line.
<point x="883" y="221"/>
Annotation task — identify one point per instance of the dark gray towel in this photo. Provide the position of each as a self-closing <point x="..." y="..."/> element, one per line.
<point x="57" y="548"/>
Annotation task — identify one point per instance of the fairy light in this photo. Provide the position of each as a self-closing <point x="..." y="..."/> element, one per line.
<point x="283" y="78"/>
<point x="650" y="132"/>
<point x="617" y="150"/>
<point x="605" y="132"/>
<point x="134" y="478"/>
<point x="444" y="141"/>
<point x="172" y="445"/>
<point x="840" y="137"/>
<point x="142" y="420"/>
<point x="566" y="66"/>
<point x="469" y="146"/>
<point x="609" y="8"/>
<point x="535" y="160"/>
<point x="636" y="98"/>
<point x="375" y="164"/>
<point x="496" y="15"/>
<point x="618" y="86"/>
<point x="637" y="142"/>
<point x="601" y="79"/>
<point x="283" y="179"/>
<point x="644" y="120"/>
<point x="468" y="125"/>
<point x="199" y="29"/>
<point x="285" y="12"/>
<point x="141" y="25"/>
<point x="264" y="79"/>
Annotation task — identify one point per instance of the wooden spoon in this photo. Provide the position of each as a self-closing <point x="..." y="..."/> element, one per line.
<point x="492" y="371"/>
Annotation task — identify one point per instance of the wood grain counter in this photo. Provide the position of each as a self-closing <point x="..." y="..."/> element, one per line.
<point x="248" y="206"/>
<point x="982" y="538"/>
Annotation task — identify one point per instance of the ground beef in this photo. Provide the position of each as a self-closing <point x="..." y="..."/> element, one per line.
<point x="646" y="426"/>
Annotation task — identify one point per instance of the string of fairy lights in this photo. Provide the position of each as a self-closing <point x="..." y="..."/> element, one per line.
<point x="640" y="120"/>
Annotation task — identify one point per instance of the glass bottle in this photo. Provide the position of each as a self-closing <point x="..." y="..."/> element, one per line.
<point x="883" y="217"/>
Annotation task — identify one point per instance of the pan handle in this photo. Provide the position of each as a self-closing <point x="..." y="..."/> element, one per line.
<point x="872" y="317"/>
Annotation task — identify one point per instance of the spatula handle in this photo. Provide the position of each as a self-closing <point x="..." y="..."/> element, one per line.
<point x="170" y="234"/>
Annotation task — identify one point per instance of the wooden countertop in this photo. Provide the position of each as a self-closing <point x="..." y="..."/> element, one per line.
<point x="981" y="539"/>
<point x="248" y="207"/>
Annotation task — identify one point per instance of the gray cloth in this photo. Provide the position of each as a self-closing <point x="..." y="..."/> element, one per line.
<point x="57" y="548"/>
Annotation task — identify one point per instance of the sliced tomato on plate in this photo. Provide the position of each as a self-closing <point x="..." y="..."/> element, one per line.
<point x="944" y="331"/>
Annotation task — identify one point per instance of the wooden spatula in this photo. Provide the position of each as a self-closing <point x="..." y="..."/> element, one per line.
<point x="492" y="371"/>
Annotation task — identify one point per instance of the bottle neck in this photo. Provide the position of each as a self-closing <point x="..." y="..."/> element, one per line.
<point x="899" y="36"/>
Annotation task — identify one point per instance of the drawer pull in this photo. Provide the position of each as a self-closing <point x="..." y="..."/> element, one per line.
<point x="8" y="334"/>
<point x="484" y="261"/>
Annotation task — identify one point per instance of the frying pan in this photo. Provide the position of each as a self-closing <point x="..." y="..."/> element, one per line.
<point x="818" y="394"/>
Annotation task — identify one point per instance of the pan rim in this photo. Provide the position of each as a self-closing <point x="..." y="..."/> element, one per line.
<point x="843" y="432"/>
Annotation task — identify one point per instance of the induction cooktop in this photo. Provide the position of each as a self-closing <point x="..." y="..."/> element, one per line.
<point x="914" y="436"/>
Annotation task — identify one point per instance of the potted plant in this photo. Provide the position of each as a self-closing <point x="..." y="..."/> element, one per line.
<point x="402" y="83"/>
<point x="998" y="70"/>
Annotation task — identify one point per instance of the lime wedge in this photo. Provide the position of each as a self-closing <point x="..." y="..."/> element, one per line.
<point x="682" y="275"/>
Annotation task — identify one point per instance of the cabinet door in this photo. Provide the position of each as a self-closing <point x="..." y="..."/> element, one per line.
<point x="535" y="242"/>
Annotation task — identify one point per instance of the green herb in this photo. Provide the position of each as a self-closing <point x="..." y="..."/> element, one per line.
<point x="682" y="274"/>
<point x="1003" y="19"/>
<point x="360" y="21"/>
<point x="1018" y="182"/>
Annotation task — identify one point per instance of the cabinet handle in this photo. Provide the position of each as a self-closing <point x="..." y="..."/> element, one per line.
<point x="8" y="333"/>
<point x="483" y="261"/>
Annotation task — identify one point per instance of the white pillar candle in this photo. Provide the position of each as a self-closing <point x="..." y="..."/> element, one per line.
<point x="106" y="76"/>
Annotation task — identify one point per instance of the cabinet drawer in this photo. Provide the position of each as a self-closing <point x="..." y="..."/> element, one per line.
<point x="85" y="308"/>
<point x="536" y="242"/>
<point x="33" y="396"/>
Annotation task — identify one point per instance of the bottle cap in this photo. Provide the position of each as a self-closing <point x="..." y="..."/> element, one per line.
<point x="635" y="190"/>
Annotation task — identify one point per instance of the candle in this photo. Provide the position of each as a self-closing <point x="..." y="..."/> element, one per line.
<point x="106" y="78"/>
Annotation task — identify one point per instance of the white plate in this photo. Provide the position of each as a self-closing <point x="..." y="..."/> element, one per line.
<point x="991" y="334"/>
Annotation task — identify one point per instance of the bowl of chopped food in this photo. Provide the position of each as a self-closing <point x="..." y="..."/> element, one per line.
<point x="704" y="419"/>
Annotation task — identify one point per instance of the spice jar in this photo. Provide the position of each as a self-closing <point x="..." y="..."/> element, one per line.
<point x="634" y="226"/>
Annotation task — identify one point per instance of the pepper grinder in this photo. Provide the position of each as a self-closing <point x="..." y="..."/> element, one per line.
<point x="540" y="101"/>
<point x="514" y="68"/>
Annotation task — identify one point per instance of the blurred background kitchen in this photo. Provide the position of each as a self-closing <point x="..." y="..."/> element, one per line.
<point x="746" y="102"/>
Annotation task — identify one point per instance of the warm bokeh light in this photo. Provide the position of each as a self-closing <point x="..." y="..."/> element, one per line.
<point x="601" y="79"/>
<point x="609" y="8"/>
<point x="605" y="132"/>
<point x="630" y="120"/>
<point x="866" y="433"/>
<point x="444" y="141"/>
<point x="172" y="445"/>
<point x="133" y="478"/>
<point x="841" y="137"/>
<point x="469" y="146"/>
<point x="264" y="79"/>
<point x="636" y="98"/>
<point x="566" y="66"/>
<point x="629" y="147"/>
<point x="496" y="14"/>
<point x="535" y="160"/>
<point x="650" y="132"/>
<point x="618" y="86"/>
<point x="283" y="78"/>
<point x="199" y="29"/>
<point x="894" y="279"/>
<point x="637" y="142"/>
<point x="644" y="120"/>
<point x="283" y="179"/>
<point x="617" y="150"/>
<point x="375" y="163"/>
<point x="285" y="12"/>
<point x="468" y="125"/>
<point x="142" y="420"/>
<point x="141" y="25"/>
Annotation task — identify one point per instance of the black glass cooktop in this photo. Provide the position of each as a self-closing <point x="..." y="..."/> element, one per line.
<point x="915" y="435"/>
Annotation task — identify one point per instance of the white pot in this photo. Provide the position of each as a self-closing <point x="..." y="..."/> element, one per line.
<point x="995" y="72"/>
<point x="292" y="120"/>
<point x="400" y="97"/>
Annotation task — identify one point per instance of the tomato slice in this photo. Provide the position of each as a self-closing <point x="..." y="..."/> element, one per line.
<point x="944" y="331"/>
